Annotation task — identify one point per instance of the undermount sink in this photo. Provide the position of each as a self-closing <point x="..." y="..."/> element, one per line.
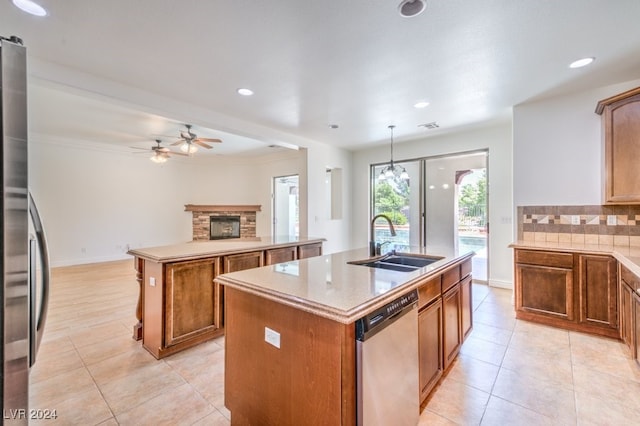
<point x="401" y="262"/>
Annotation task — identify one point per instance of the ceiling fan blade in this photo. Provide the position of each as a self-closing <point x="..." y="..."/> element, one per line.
<point x="202" y="144"/>
<point x="181" y="141"/>
<point x="209" y="140"/>
<point x="162" y="149"/>
<point x="177" y="153"/>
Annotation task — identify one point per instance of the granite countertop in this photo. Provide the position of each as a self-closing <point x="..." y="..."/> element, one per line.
<point x="193" y="250"/>
<point x="629" y="256"/>
<point x="330" y="287"/>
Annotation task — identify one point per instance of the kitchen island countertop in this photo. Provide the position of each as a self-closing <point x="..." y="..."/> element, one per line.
<point x="193" y="250"/>
<point x="330" y="287"/>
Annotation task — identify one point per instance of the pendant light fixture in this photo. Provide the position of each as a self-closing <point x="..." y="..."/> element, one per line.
<point x="392" y="170"/>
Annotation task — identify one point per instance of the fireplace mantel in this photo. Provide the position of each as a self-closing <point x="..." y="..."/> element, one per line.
<point x="220" y="208"/>
<point x="202" y="213"/>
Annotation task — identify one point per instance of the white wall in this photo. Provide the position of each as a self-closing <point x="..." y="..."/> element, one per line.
<point x="96" y="201"/>
<point x="497" y="140"/>
<point x="557" y="149"/>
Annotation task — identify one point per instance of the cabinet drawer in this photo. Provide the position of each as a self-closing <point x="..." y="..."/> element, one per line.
<point x="450" y="277"/>
<point x="429" y="291"/>
<point x="545" y="258"/>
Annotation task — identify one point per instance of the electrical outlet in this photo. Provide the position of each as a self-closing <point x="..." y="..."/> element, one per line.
<point x="611" y="219"/>
<point x="575" y="219"/>
<point x="272" y="337"/>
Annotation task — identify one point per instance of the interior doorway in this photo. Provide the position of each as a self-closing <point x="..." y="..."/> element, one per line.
<point x="286" y="206"/>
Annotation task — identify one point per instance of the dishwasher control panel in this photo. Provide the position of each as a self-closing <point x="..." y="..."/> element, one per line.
<point x="368" y="324"/>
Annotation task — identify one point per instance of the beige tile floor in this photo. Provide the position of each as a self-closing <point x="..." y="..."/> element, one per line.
<point x="509" y="372"/>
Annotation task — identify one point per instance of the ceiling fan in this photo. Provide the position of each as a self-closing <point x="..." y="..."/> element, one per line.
<point x="189" y="140"/>
<point x="160" y="153"/>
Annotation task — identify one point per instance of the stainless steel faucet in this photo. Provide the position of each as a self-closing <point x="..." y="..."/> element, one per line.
<point x="374" y="249"/>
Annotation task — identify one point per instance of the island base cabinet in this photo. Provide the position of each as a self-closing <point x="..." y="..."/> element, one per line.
<point x="636" y="328"/>
<point x="182" y="306"/>
<point x="305" y="372"/>
<point x="430" y="347"/>
<point x="452" y="329"/>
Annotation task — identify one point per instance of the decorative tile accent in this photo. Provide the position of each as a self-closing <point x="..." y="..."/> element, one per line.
<point x="554" y="223"/>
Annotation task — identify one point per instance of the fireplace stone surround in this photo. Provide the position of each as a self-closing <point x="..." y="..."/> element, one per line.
<point x="201" y="218"/>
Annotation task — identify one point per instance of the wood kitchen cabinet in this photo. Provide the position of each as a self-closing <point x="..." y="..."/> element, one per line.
<point x="309" y="250"/>
<point x="279" y="255"/>
<point x="451" y="324"/>
<point x="242" y="261"/>
<point x="569" y="290"/>
<point x="598" y="294"/>
<point x="620" y="128"/>
<point x="636" y="328"/>
<point x="628" y="282"/>
<point x="181" y="306"/>
<point x="186" y="310"/>
<point x="430" y="330"/>
<point x="466" y="309"/>
<point x="544" y="286"/>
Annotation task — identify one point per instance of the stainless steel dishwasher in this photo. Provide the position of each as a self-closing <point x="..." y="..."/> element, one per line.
<point x="387" y="364"/>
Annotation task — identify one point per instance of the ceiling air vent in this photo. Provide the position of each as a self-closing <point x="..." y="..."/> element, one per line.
<point x="432" y="125"/>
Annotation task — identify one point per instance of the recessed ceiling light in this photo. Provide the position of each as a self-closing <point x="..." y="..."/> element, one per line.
<point x="333" y="126"/>
<point x="421" y="104"/>
<point x="30" y="7"/>
<point x="581" y="62"/>
<point x="411" y="8"/>
<point x="245" y="92"/>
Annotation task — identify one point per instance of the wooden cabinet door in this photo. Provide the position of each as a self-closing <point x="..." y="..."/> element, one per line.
<point x="242" y="261"/>
<point x="309" y="250"/>
<point x="430" y="347"/>
<point x="452" y="330"/>
<point x="621" y="125"/>
<point x="279" y="255"/>
<point x="466" y="310"/>
<point x="192" y="300"/>
<point x="626" y="316"/>
<point x="544" y="291"/>
<point x="598" y="292"/>
<point x="636" y="327"/>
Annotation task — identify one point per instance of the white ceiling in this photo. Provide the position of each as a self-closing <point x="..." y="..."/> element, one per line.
<point x="355" y="63"/>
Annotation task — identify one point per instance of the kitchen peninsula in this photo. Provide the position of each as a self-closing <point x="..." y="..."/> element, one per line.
<point x="290" y="333"/>
<point x="179" y="305"/>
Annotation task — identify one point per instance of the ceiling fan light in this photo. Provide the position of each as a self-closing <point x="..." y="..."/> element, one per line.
<point x="158" y="159"/>
<point x="189" y="148"/>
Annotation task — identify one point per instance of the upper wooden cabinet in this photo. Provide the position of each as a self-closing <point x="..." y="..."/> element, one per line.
<point x="621" y="133"/>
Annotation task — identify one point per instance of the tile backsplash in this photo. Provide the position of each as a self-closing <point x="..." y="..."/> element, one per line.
<point x="608" y="225"/>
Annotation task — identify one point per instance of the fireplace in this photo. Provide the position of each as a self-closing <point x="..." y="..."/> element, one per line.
<point x="203" y="218"/>
<point x="222" y="227"/>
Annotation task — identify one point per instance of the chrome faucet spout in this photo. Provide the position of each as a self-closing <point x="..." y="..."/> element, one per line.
<point x="373" y="248"/>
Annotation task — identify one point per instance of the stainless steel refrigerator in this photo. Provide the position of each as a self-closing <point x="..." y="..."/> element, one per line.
<point x="24" y="263"/>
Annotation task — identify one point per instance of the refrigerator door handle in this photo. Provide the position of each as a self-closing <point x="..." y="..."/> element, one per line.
<point x="38" y="319"/>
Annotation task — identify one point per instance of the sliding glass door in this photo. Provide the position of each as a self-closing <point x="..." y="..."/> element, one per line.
<point x="440" y="203"/>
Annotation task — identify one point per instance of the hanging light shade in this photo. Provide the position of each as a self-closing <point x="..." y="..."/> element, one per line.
<point x="392" y="170"/>
<point x="189" y="148"/>
<point x="158" y="158"/>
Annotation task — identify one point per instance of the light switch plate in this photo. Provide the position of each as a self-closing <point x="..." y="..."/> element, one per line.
<point x="272" y="337"/>
<point x="575" y="219"/>
<point x="611" y="219"/>
<point x="152" y="281"/>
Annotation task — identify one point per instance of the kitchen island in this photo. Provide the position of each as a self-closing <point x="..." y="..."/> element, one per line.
<point x="290" y="339"/>
<point x="179" y="305"/>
